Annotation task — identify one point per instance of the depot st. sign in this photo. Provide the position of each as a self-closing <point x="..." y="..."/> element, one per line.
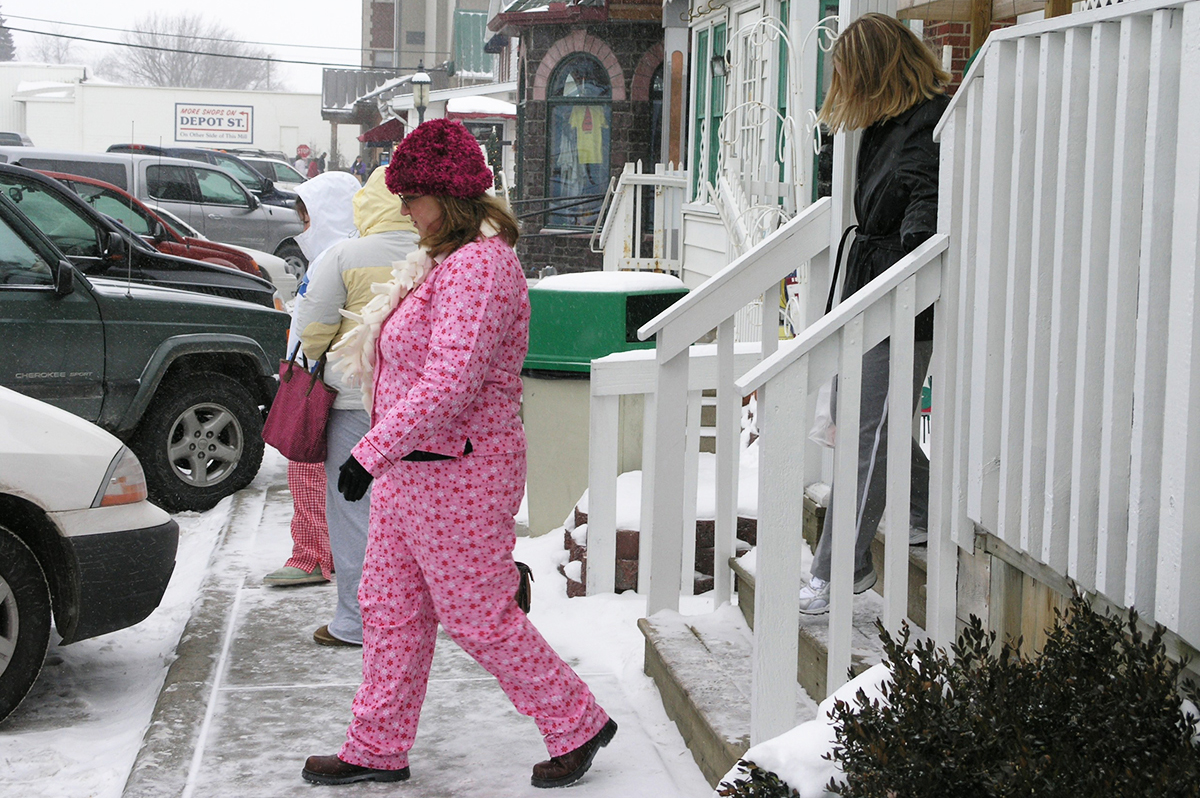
<point x="214" y="124"/>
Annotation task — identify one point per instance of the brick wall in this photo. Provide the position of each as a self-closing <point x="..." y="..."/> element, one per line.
<point x="958" y="36"/>
<point x="629" y="134"/>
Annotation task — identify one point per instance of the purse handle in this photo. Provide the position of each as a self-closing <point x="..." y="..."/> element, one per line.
<point x="317" y="374"/>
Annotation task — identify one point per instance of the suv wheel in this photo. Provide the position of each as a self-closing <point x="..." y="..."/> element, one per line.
<point x="200" y="441"/>
<point x="24" y="620"/>
<point x="291" y="253"/>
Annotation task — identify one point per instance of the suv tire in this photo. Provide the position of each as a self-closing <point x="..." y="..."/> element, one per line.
<point x="24" y="620"/>
<point x="291" y="253"/>
<point x="200" y="441"/>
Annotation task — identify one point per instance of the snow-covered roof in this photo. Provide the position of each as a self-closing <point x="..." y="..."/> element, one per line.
<point x="45" y="88"/>
<point x="486" y="106"/>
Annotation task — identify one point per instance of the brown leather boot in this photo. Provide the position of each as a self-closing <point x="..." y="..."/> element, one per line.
<point x="334" y="770"/>
<point x="567" y="769"/>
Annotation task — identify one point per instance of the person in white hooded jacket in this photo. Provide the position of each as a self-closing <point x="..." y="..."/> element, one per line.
<point x="330" y="220"/>
<point x="341" y="280"/>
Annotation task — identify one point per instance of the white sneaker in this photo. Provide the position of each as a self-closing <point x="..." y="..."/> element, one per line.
<point x="917" y="537"/>
<point x="814" y="597"/>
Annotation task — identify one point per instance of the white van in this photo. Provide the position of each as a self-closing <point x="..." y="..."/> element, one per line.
<point x="206" y="197"/>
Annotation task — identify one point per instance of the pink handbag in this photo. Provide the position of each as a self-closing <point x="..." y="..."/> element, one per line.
<point x="296" y="422"/>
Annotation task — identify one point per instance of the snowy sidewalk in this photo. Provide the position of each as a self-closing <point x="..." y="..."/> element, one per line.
<point x="250" y="695"/>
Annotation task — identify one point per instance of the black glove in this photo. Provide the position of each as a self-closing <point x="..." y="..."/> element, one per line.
<point x="353" y="480"/>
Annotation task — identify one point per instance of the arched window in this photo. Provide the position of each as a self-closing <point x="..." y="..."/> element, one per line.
<point x="656" y="109"/>
<point x="580" y="121"/>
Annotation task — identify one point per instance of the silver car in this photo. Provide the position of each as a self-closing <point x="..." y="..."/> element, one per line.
<point x="208" y="198"/>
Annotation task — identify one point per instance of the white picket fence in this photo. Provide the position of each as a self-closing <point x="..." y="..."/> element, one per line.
<point x="1066" y="368"/>
<point x="620" y="233"/>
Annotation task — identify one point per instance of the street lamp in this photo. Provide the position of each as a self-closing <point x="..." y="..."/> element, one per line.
<point x="420" y="89"/>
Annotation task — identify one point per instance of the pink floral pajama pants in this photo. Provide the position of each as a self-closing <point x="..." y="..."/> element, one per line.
<point x="440" y="550"/>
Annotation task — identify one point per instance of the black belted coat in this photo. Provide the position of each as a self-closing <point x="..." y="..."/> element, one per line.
<point x="895" y="196"/>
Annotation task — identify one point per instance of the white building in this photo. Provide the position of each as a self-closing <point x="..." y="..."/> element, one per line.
<point x="62" y="107"/>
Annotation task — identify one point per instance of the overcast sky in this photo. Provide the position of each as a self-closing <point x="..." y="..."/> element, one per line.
<point x="320" y="24"/>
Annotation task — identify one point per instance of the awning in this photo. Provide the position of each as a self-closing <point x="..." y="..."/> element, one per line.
<point x="385" y="133"/>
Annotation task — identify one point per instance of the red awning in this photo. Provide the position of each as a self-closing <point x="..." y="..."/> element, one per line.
<point x="389" y="131"/>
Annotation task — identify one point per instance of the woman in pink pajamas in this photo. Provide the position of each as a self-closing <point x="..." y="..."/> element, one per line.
<point x="447" y="452"/>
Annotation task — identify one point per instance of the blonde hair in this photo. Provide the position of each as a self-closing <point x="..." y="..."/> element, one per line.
<point x="881" y="69"/>
<point x="462" y="218"/>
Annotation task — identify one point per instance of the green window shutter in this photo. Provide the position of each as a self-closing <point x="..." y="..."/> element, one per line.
<point x="470" y="35"/>
<point x="716" y="107"/>
<point x="701" y="105"/>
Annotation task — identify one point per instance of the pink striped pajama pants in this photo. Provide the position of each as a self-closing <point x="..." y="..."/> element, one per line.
<point x="440" y="550"/>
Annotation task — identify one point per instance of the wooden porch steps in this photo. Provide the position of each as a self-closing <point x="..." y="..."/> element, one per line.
<point x="702" y="664"/>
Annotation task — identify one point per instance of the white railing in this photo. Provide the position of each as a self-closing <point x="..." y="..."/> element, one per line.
<point x="787" y="385"/>
<point x="1072" y="166"/>
<point x="714" y="304"/>
<point x="1066" y="367"/>
<point x="621" y="232"/>
<point x="632" y="374"/>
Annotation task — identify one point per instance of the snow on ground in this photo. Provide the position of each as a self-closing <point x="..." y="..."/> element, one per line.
<point x="79" y="729"/>
<point x="78" y="733"/>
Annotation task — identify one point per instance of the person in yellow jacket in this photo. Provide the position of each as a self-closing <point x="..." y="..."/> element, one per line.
<point x="341" y="280"/>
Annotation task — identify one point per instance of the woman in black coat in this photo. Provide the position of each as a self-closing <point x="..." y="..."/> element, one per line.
<point x="887" y="81"/>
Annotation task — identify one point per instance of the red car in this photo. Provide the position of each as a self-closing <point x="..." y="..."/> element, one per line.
<point x="129" y="211"/>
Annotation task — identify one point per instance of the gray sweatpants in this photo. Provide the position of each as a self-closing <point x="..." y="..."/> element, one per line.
<point x="347" y="522"/>
<point x="872" y="461"/>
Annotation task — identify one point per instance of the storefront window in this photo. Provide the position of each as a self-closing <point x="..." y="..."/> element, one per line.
<point x="580" y="120"/>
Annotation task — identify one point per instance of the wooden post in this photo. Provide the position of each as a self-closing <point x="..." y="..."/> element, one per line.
<point x="981" y="21"/>
<point x="1057" y="8"/>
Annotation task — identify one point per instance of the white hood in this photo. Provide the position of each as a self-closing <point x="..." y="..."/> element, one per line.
<point x="329" y="198"/>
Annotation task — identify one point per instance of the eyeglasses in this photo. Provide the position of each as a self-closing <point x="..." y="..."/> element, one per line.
<point x="409" y="199"/>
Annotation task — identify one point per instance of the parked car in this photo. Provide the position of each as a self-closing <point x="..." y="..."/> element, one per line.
<point x="15" y="139"/>
<point x="283" y="174"/>
<point x="281" y="272"/>
<point x="131" y="212"/>
<point x="73" y="518"/>
<point x="260" y="184"/>
<point x="242" y="152"/>
<point x="208" y="198"/>
<point x="183" y="378"/>
<point x="98" y="245"/>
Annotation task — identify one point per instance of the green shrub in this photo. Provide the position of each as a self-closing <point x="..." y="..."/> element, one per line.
<point x="756" y="783"/>
<point x="1097" y="713"/>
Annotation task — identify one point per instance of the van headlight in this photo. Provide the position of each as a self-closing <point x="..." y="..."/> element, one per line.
<point x="125" y="483"/>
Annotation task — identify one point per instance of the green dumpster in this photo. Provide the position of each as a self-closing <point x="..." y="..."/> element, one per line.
<point x="576" y="318"/>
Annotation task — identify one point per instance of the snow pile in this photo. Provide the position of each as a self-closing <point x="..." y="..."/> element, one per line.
<point x="798" y="756"/>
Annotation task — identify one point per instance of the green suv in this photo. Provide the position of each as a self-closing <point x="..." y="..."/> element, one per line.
<point x="182" y="378"/>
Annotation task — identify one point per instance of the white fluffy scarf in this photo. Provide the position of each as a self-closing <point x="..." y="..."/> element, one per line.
<point x="354" y="355"/>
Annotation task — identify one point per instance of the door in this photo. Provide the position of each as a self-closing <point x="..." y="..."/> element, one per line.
<point x="230" y="215"/>
<point x="53" y="346"/>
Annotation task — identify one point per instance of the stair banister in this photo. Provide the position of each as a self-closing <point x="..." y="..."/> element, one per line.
<point x="784" y="381"/>
<point x="742" y="281"/>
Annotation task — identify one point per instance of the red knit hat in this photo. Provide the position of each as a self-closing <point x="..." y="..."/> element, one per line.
<point x="439" y="157"/>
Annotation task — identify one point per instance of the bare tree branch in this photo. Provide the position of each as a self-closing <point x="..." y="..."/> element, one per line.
<point x="186" y="59"/>
<point x="52" y="49"/>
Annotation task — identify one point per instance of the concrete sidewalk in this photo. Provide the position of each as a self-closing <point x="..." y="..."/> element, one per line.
<point x="250" y="696"/>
